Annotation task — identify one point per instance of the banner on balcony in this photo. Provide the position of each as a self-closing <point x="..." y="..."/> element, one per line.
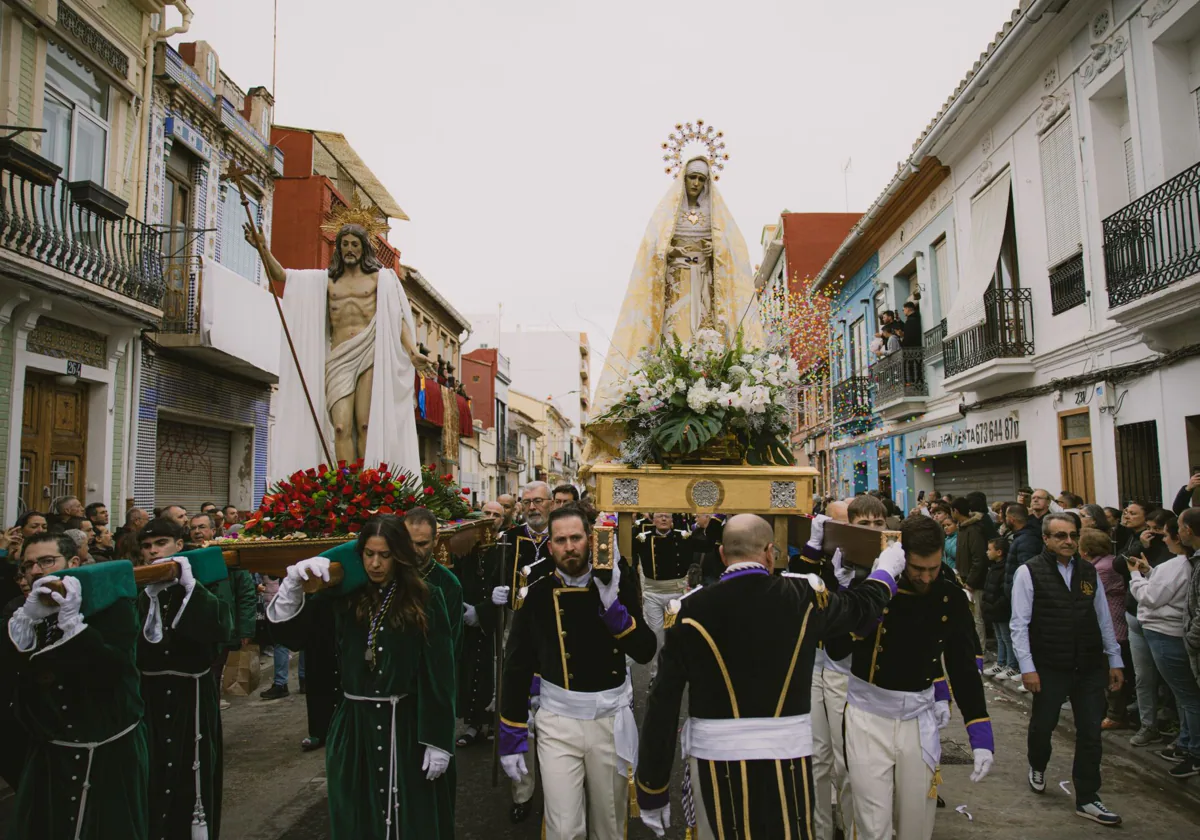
<point x="994" y="429"/>
<point x="989" y="212"/>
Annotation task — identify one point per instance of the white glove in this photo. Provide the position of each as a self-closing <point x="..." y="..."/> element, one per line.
<point x="514" y="766"/>
<point x="70" y="619"/>
<point x="983" y="763"/>
<point x="435" y="763"/>
<point x="500" y="595"/>
<point x="941" y="712"/>
<point x="186" y="579"/>
<point x="310" y="569"/>
<point x="469" y="616"/>
<point x="817" y="536"/>
<point x="657" y="820"/>
<point x="844" y="576"/>
<point x="608" y="591"/>
<point x="33" y="608"/>
<point x="892" y="560"/>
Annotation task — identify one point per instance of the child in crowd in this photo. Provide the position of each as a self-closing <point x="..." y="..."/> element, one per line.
<point x="997" y="609"/>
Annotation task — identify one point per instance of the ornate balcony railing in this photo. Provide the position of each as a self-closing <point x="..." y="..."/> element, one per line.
<point x="851" y="399"/>
<point x="42" y="223"/>
<point x="900" y="375"/>
<point x="1066" y="285"/>
<point x="1154" y="241"/>
<point x="1006" y="333"/>
<point x="932" y="340"/>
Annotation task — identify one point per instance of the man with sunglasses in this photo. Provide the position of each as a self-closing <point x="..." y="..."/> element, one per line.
<point x="1063" y="636"/>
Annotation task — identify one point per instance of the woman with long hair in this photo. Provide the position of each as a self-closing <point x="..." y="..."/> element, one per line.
<point x="391" y="740"/>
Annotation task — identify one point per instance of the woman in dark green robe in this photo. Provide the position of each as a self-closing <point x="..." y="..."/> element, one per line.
<point x="392" y="737"/>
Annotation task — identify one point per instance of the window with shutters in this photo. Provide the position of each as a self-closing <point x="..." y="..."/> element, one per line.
<point x="1130" y="163"/>
<point x="1060" y="191"/>
<point x="941" y="275"/>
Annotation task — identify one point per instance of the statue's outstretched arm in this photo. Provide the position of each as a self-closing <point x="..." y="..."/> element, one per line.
<point x="259" y="241"/>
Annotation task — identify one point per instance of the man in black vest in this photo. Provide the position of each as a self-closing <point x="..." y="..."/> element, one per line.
<point x="1062" y="633"/>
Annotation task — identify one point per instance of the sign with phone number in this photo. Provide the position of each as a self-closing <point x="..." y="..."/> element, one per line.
<point x="965" y="435"/>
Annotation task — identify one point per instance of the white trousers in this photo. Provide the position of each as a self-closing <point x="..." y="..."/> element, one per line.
<point x="829" y="758"/>
<point x="887" y="770"/>
<point x="584" y="785"/>
<point x="656" y="598"/>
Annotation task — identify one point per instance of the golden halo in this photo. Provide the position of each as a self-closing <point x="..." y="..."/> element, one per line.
<point x="686" y="134"/>
<point x="355" y="214"/>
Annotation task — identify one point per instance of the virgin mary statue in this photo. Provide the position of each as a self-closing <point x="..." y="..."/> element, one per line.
<point x="692" y="273"/>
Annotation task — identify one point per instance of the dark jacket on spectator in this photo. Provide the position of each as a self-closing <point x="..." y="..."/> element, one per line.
<point x="971" y="555"/>
<point x="996" y="604"/>
<point x="1026" y="544"/>
<point x="913" y="336"/>
<point x="1183" y="500"/>
<point x="1157" y="553"/>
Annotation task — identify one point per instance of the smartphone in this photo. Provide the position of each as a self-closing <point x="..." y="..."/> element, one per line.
<point x="1196" y="491"/>
<point x="921" y="496"/>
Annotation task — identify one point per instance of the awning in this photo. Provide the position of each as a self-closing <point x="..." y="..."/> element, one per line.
<point x="989" y="212"/>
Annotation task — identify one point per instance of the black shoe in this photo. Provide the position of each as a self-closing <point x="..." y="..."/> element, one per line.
<point x="300" y="690"/>
<point x="1171" y="754"/>
<point x="941" y="802"/>
<point x="520" y="812"/>
<point x="309" y="744"/>
<point x="275" y="692"/>
<point x="1185" y="769"/>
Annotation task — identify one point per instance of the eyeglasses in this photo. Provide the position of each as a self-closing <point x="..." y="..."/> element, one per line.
<point x="541" y="501"/>
<point x="1065" y="535"/>
<point x="45" y="563"/>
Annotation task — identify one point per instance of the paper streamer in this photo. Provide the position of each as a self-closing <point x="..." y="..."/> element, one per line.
<point x="1066" y="787"/>
<point x="962" y="809"/>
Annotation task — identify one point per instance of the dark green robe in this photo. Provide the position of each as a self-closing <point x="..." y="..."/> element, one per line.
<point x="239" y="593"/>
<point x="83" y="690"/>
<point x="476" y="660"/>
<point x="171" y="705"/>
<point x="419" y="668"/>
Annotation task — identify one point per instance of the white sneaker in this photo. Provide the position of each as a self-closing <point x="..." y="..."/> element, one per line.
<point x="1037" y="780"/>
<point x="1096" y="812"/>
<point x="1016" y="677"/>
<point x="1021" y="689"/>
<point x="992" y="670"/>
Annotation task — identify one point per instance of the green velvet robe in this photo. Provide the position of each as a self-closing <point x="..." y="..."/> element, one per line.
<point x="239" y="593"/>
<point x="189" y="648"/>
<point x="358" y="748"/>
<point x="83" y="690"/>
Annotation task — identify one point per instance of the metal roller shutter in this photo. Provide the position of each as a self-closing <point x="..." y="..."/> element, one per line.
<point x="996" y="472"/>
<point x="192" y="465"/>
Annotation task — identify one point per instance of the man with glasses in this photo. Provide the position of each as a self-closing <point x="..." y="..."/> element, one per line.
<point x="1040" y="504"/>
<point x="1063" y="636"/>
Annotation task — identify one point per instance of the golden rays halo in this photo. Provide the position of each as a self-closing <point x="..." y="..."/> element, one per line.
<point x="687" y="136"/>
<point x="356" y="213"/>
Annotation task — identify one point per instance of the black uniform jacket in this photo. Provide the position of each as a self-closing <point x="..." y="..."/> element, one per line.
<point x="664" y="557"/>
<point x="514" y="549"/>
<point x="744" y="647"/>
<point x="560" y="634"/>
<point x="905" y="651"/>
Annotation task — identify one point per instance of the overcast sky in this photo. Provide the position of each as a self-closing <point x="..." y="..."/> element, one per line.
<point x="523" y="138"/>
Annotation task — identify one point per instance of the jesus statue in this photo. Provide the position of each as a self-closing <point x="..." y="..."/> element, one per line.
<point x="352" y="328"/>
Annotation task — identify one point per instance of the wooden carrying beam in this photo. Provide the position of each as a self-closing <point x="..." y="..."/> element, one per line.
<point x="164" y="572"/>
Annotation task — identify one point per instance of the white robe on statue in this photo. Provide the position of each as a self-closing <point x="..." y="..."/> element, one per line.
<point x="392" y="429"/>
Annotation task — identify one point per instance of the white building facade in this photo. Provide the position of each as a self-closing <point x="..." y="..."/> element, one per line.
<point x="1059" y="266"/>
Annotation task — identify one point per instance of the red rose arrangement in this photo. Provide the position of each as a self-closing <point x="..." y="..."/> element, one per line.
<point x="324" y="502"/>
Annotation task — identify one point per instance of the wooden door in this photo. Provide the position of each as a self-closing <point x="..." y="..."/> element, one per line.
<point x="1075" y="441"/>
<point x="53" y="441"/>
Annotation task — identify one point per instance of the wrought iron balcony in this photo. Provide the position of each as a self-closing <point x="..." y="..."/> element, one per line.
<point x="900" y="375"/>
<point x="1154" y="241"/>
<point x="1066" y="285"/>
<point x="932" y="340"/>
<point x="45" y="224"/>
<point x="1006" y="333"/>
<point x="851" y="399"/>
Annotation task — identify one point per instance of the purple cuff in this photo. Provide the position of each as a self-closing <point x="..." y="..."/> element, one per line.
<point x="535" y="686"/>
<point x="810" y="553"/>
<point x="883" y="577"/>
<point x="616" y="618"/>
<point x="941" y="690"/>
<point x="980" y="735"/>
<point x="652" y="801"/>
<point x="979" y="663"/>
<point x="513" y="739"/>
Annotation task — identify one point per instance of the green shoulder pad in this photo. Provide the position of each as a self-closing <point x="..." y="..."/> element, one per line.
<point x="208" y="564"/>
<point x="103" y="584"/>
<point x="353" y="573"/>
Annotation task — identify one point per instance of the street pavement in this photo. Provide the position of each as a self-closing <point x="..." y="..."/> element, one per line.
<point x="273" y="791"/>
